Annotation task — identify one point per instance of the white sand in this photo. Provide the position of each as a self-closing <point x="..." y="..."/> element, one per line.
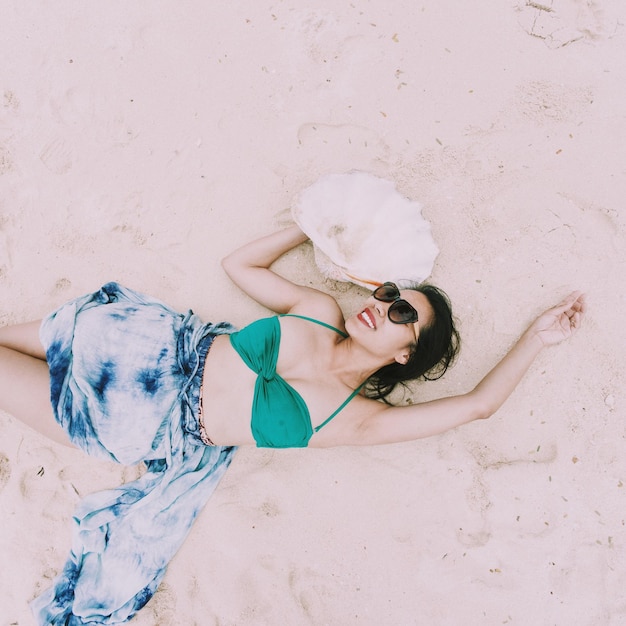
<point x="142" y="141"/>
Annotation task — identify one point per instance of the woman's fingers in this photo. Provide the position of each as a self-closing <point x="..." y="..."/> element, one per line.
<point x="573" y="303"/>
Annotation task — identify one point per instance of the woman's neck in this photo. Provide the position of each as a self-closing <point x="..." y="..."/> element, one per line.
<point x="352" y="364"/>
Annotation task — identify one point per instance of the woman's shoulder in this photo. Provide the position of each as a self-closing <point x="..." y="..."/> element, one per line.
<point x="320" y="307"/>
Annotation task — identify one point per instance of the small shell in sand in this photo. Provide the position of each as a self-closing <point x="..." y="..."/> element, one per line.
<point x="364" y="231"/>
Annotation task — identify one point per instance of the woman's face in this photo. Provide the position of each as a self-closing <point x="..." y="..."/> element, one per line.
<point x="373" y="328"/>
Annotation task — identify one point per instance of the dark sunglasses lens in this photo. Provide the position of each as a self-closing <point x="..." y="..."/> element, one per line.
<point x="386" y="293"/>
<point x="402" y="312"/>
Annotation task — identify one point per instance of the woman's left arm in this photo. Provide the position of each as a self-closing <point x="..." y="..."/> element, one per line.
<point x="431" y="418"/>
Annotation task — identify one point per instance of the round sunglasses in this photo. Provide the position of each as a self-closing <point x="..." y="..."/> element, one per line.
<point x="400" y="311"/>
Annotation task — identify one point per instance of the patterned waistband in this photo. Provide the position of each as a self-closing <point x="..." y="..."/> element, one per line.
<point x="194" y="425"/>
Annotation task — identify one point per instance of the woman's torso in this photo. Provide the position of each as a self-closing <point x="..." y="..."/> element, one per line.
<point x="304" y="358"/>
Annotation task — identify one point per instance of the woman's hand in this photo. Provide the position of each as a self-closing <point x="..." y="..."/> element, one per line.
<point x="436" y="416"/>
<point x="560" y="322"/>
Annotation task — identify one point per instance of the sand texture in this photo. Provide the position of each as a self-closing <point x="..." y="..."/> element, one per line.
<point x="142" y="141"/>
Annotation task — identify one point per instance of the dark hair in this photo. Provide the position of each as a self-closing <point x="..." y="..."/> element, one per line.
<point x="437" y="347"/>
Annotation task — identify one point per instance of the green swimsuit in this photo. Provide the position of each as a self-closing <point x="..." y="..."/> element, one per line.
<point x="280" y="417"/>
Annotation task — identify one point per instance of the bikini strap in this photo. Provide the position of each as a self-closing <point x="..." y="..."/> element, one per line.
<point x="311" y="319"/>
<point x="355" y="392"/>
<point x="347" y="400"/>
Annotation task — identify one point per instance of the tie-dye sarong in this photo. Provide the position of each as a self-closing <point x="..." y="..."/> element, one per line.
<point x="125" y="374"/>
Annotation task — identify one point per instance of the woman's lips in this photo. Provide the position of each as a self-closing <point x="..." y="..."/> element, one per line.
<point x="366" y="317"/>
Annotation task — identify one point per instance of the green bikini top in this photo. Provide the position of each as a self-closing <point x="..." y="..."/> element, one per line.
<point x="280" y="417"/>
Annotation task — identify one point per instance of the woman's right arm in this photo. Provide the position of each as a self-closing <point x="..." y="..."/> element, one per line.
<point x="249" y="268"/>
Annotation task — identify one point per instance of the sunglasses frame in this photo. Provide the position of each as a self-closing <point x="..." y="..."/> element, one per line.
<point x="395" y="302"/>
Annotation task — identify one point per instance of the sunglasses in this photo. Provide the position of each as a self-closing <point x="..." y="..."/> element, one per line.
<point x="400" y="311"/>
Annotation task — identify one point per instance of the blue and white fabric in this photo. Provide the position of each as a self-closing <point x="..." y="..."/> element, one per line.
<point x="125" y="373"/>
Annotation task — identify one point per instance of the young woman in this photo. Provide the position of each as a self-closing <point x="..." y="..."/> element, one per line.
<point x="132" y="380"/>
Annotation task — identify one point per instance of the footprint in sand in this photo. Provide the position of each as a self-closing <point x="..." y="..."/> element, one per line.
<point x="309" y="590"/>
<point x="5" y="470"/>
<point x="57" y="156"/>
<point x="6" y="160"/>
<point x="543" y="102"/>
<point x="269" y="509"/>
<point x="563" y="22"/>
<point x="5" y="258"/>
<point x="10" y="101"/>
<point x="162" y="606"/>
<point x="63" y="284"/>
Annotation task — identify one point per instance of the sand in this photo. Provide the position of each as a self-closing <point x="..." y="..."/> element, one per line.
<point x="142" y="141"/>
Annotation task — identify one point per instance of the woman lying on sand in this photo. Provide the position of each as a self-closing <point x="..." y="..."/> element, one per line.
<point x="132" y="380"/>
